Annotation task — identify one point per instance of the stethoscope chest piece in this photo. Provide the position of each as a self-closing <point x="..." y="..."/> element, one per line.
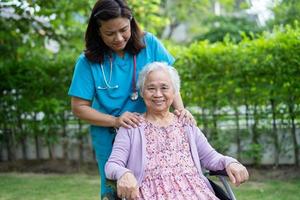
<point x="134" y="96"/>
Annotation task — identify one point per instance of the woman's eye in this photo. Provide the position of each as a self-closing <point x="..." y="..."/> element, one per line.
<point x="124" y="30"/>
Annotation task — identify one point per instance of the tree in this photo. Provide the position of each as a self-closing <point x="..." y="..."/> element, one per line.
<point x="200" y="16"/>
<point x="286" y="12"/>
<point x="25" y="67"/>
<point x="233" y="27"/>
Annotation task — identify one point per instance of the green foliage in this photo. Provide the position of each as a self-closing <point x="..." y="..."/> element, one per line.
<point x="29" y="24"/>
<point x="35" y="80"/>
<point x="249" y="69"/>
<point x="149" y="14"/>
<point x="247" y="74"/>
<point x="286" y="12"/>
<point x="254" y="153"/>
<point x="232" y="27"/>
<point x="204" y="21"/>
<point x="29" y="89"/>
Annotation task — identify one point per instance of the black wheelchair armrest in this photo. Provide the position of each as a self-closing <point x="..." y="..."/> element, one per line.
<point x="222" y="175"/>
<point x="218" y="173"/>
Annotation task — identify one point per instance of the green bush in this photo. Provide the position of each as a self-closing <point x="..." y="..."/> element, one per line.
<point x="252" y="75"/>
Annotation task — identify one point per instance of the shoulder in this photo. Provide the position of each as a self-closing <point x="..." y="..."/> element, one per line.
<point x="150" y="38"/>
<point x="148" y="35"/>
<point x="82" y="59"/>
<point x="192" y="130"/>
<point x="83" y="62"/>
<point x="189" y="126"/>
<point x="122" y="131"/>
<point x="131" y="131"/>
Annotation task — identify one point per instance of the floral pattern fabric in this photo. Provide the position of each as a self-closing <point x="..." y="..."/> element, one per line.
<point x="170" y="172"/>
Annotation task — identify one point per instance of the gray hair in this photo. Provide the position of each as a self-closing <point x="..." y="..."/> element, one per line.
<point x="156" y="66"/>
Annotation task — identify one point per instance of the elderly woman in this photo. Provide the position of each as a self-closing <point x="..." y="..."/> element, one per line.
<point x="162" y="157"/>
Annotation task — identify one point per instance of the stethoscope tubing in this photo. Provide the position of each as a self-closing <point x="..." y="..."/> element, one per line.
<point x="107" y="83"/>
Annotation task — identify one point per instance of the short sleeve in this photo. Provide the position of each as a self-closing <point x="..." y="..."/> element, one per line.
<point x="82" y="85"/>
<point x="159" y="52"/>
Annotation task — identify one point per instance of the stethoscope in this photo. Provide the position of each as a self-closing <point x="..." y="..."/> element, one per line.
<point x="134" y="94"/>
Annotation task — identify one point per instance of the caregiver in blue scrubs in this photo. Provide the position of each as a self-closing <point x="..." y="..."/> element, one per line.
<point x="103" y="89"/>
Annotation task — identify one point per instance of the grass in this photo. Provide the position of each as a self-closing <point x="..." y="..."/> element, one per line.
<point x="28" y="186"/>
<point x="269" y="190"/>
<point x="17" y="186"/>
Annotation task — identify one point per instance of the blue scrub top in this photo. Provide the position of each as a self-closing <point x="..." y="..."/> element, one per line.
<point x="88" y="83"/>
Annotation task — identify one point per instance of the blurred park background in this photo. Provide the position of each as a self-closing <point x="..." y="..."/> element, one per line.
<point x="239" y="61"/>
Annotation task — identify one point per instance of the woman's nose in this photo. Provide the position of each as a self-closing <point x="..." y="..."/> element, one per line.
<point x="118" y="37"/>
<point x="158" y="93"/>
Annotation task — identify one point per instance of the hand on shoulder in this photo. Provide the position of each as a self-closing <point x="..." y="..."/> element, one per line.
<point x="128" y="120"/>
<point x="185" y="116"/>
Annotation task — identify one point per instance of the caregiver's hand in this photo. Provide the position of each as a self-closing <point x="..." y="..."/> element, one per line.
<point x="185" y="116"/>
<point x="128" y="120"/>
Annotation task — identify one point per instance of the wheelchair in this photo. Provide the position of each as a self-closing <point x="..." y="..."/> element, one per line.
<point x="222" y="194"/>
<point x="225" y="192"/>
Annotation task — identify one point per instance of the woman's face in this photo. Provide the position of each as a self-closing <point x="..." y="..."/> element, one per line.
<point x="158" y="91"/>
<point x="115" y="33"/>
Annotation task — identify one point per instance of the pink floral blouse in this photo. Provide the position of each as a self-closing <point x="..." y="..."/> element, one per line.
<point x="170" y="172"/>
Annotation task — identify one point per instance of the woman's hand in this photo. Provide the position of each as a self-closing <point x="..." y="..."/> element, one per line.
<point x="127" y="187"/>
<point x="237" y="173"/>
<point x="128" y="120"/>
<point x="185" y="116"/>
